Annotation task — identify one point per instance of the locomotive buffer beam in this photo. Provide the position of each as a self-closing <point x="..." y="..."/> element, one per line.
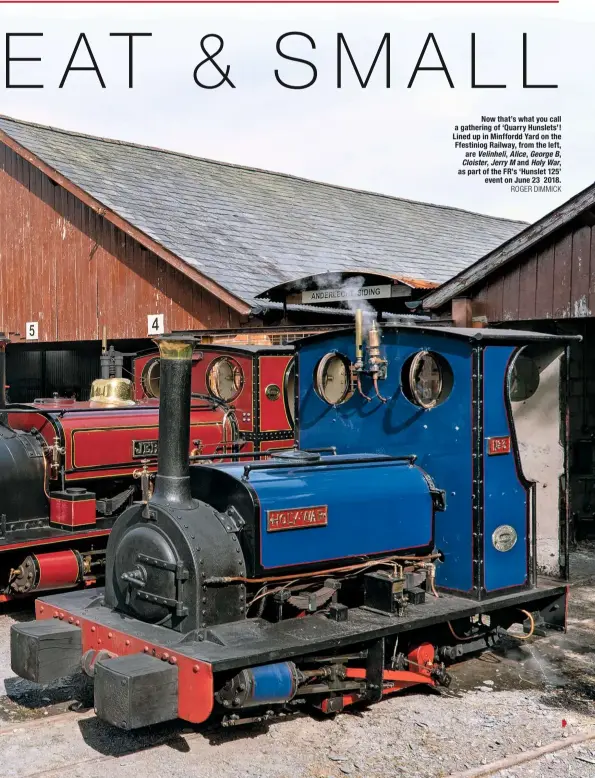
<point x="130" y="691"/>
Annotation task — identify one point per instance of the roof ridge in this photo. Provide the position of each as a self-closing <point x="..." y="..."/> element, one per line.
<point x="518" y="245"/>
<point x="185" y="155"/>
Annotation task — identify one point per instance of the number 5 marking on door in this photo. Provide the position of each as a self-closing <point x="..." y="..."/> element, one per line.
<point x="32" y="330"/>
<point x="156" y="325"/>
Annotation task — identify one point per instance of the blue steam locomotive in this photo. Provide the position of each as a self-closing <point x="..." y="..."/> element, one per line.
<point x="399" y="535"/>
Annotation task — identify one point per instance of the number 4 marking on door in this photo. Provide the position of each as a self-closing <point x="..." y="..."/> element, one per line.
<point x="156" y="324"/>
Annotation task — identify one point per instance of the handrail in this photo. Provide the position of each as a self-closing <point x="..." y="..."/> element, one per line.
<point x="336" y="460"/>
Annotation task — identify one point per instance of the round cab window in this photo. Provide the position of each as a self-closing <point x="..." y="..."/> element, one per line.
<point x="426" y="379"/>
<point x="150" y="377"/>
<point x="524" y="378"/>
<point x="225" y="379"/>
<point x="332" y="379"/>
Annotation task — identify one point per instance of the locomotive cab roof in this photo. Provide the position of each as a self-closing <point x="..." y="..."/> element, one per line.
<point x="469" y="334"/>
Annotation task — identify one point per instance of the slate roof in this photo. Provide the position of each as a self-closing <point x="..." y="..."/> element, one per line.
<point x="249" y="229"/>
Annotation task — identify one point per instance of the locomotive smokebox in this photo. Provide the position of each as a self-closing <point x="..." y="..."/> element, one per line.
<point x="3" y="343"/>
<point x="172" y="484"/>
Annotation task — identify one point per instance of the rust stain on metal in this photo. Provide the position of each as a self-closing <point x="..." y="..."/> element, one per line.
<point x="415" y="283"/>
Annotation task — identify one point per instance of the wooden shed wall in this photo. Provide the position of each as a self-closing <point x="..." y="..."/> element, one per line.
<point x="556" y="282"/>
<point x="68" y="268"/>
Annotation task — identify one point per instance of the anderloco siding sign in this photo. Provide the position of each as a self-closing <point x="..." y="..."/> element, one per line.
<point x="377" y="292"/>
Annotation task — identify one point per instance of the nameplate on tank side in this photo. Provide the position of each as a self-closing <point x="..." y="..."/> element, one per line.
<point x="297" y="518"/>
<point x="144" y="448"/>
<point x="499" y="445"/>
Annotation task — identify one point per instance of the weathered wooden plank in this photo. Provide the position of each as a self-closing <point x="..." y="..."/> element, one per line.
<point x="528" y="239"/>
<point x="510" y="294"/>
<point x="527" y="288"/>
<point x="545" y="284"/>
<point x="581" y="268"/>
<point x="494" y="298"/>
<point x="67" y="267"/>
<point x="47" y="268"/>
<point x="592" y="278"/>
<point x="123" y="282"/>
<point x="561" y="308"/>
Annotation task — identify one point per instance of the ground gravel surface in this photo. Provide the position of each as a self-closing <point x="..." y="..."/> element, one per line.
<point x="502" y="704"/>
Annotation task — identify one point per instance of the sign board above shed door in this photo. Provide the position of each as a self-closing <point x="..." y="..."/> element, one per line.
<point x="352" y="292"/>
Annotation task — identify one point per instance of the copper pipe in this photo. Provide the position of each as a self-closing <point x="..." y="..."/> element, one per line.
<point x="531" y="628"/>
<point x="380" y="397"/>
<point x="318" y="573"/>
<point x="360" y="390"/>
<point x="459" y="637"/>
<point x="45" y="477"/>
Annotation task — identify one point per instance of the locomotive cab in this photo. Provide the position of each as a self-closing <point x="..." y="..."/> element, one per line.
<point x="258" y="382"/>
<point x="355" y="566"/>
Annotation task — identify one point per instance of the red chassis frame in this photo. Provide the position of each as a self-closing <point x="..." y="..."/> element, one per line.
<point x="195" y="678"/>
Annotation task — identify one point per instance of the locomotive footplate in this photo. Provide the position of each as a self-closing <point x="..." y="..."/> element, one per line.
<point x="233" y="646"/>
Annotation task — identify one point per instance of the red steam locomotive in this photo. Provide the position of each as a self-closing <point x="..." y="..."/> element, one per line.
<point x="68" y="469"/>
<point x="258" y="381"/>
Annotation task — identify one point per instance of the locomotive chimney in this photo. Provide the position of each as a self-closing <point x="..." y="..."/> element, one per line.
<point x="3" y="342"/>
<point x="172" y="484"/>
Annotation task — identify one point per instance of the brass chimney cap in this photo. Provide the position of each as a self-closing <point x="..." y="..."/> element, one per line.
<point x="115" y="392"/>
<point x="176" y="347"/>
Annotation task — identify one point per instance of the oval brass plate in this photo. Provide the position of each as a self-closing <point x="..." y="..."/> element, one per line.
<point x="504" y="537"/>
<point x="273" y="392"/>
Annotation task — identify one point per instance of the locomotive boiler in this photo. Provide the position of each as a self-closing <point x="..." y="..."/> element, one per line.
<point x="68" y="469"/>
<point x="399" y="536"/>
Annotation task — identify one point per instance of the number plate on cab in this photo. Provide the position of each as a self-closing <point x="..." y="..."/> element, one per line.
<point x="499" y="445"/>
<point x="297" y="518"/>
